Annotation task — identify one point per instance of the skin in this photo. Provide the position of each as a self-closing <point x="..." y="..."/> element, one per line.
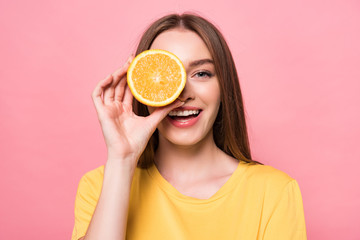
<point x="188" y="157"/>
<point x="125" y="142"/>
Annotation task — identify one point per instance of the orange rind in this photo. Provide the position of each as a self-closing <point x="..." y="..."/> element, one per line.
<point x="156" y="77"/>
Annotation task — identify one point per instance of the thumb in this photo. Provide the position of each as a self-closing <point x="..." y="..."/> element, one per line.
<point x="160" y="113"/>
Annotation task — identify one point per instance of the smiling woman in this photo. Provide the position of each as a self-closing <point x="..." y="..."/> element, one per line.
<point x="201" y="94"/>
<point x="183" y="171"/>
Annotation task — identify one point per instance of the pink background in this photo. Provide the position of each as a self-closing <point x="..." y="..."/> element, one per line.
<point x="298" y="63"/>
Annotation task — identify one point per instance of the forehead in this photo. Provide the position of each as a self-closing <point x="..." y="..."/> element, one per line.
<point x="185" y="44"/>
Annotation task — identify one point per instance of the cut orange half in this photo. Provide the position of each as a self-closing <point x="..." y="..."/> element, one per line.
<point x="156" y="77"/>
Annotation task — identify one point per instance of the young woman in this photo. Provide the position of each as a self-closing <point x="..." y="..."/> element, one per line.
<point x="183" y="177"/>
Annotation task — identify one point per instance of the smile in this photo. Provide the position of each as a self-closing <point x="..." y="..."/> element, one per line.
<point x="184" y="117"/>
<point x="183" y="113"/>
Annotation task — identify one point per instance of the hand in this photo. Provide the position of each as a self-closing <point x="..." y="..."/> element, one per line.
<point x="126" y="134"/>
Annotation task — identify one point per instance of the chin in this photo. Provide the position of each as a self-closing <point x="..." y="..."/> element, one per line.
<point x="186" y="143"/>
<point x="185" y="138"/>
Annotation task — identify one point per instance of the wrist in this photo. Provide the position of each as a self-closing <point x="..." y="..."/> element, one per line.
<point x="127" y="163"/>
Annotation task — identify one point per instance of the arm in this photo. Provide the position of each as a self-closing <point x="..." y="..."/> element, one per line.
<point x="110" y="216"/>
<point x="125" y="142"/>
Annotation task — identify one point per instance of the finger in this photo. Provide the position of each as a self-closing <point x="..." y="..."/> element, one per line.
<point x="160" y="113"/>
<point x="120" y="89"/>
<point x="109" y="95"/>
<point x="119" y="73"/>
<point x="99" y="89"/>
<point x="128" y="97"/>
<point x="120" y="80"/>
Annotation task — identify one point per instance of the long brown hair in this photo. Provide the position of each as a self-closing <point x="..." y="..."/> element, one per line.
<point x="229" y="130"/>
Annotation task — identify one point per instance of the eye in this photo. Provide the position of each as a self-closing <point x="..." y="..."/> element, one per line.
<point x="203" y="74"/>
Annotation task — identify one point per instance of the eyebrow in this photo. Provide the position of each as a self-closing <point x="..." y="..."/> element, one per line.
<point x="200" y="62"/>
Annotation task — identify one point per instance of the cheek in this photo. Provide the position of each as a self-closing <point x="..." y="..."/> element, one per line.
<point x="211" y="93"/>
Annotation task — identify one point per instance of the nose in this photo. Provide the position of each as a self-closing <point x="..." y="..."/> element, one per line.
<point x="187" y="93"/>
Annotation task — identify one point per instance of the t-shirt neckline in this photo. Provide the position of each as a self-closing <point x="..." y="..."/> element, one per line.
<point x="233" y="181"/>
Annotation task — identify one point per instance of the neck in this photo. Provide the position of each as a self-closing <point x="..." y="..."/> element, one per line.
<point x="187" y="163"/>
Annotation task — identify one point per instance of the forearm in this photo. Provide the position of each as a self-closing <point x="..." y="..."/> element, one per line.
<point x="125" y="142"/>
<point x="110" y="216"/>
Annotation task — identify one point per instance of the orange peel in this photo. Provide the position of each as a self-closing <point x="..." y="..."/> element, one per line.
<point x="156" y="77"/>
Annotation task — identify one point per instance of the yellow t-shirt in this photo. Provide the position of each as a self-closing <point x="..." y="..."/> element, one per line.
<point x="257" y="202"/>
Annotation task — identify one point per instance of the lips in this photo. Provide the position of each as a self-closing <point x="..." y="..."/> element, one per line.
<point x="184" y="116"/>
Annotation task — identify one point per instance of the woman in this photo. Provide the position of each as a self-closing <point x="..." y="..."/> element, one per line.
<point x="174" y="177"/>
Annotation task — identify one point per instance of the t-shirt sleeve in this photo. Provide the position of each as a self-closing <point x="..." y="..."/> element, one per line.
<point x="287" y="220"/>
<point x="85" y="202"/>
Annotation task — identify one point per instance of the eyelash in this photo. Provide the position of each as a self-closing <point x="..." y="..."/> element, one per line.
<point x="208" y="74"/>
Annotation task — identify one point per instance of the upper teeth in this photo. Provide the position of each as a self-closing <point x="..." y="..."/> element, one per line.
<point x="183" y="113"/>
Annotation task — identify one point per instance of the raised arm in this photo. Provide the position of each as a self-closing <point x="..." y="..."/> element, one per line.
<point x="126" y="136"/>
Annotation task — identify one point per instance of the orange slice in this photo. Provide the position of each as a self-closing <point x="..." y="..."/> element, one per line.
<point x="156" y="77"/>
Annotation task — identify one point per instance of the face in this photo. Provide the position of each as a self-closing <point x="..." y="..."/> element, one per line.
<point x="193" y="122"/>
